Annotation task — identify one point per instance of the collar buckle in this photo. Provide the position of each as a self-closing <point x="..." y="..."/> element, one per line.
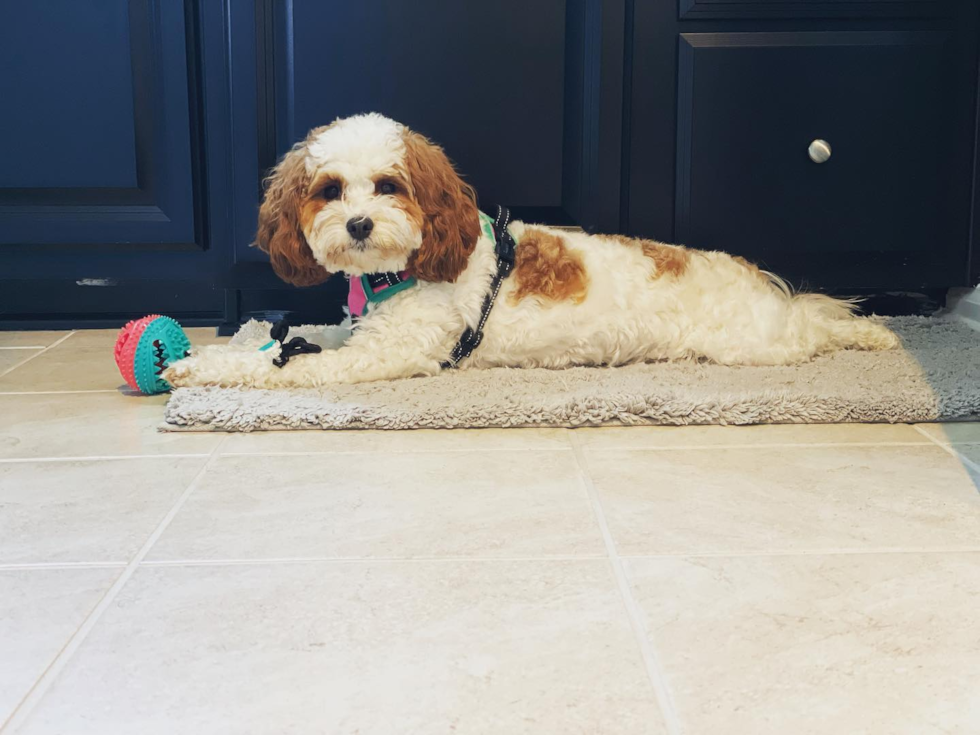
<point x="506" y="248"/>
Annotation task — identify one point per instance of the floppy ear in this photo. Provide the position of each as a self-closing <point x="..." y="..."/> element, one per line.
<point x="280" y="233"/>
<point x="450" y="221"/>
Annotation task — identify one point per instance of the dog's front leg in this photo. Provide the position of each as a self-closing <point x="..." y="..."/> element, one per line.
<point x="381" y="349"/>
<point x="369" y="356"/>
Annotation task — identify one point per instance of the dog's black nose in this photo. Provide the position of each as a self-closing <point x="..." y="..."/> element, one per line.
<point x="359" y="227"/>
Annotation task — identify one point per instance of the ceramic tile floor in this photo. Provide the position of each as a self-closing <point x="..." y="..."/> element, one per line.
<point x="786" y="579"/>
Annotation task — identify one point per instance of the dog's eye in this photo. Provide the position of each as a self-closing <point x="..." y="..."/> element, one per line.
<point x="386" y="187"/>
<point x="331" y="192"/>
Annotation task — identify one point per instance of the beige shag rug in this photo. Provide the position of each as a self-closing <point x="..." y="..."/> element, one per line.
<point x="935" y="376"/>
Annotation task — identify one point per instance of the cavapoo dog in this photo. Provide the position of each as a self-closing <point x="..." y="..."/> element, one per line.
<point x="370" y="198"/>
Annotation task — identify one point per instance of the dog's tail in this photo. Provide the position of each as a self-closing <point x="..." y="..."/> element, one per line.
<point x="836" y="321"/>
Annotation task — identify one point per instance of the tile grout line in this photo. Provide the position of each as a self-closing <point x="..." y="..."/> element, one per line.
<point x="278" y="561"/>
<point x="661" y="448"/>
<point x="950" y="449"/>
<point x="754" y="445"/>
<point x="58" y="392"/>
<point x="36" y="354"/>
<point x="281" y="561"/>
<point x="929" y="436"/>
<point x="651" y="661"/>
<point x="375" y="452"/>
<point x="41" y="685"/>
<point x="103" y="457"/>
<point x="802" y="552"/>
<point x="41" y="566"/>
<point x="462" y="450"/>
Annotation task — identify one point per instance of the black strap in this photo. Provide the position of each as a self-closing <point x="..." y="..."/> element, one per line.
<point x="295" y="346"/>
<point x="506" y="250"/>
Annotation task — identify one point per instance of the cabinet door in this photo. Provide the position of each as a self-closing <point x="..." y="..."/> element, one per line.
<point x="721" y="123"/>
<point x="504" y="88"/>
<point x="755" y="109"/>
<point x="101" y="171"/>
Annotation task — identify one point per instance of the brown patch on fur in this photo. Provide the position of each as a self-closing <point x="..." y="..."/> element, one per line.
<point x="546" y="268"/>
<point x="286" y="206"/>
<point x="445" y="210"/>
<point x="412" y="210"/>
<point x="668" y="260"/>
<point x="308" y="211"/>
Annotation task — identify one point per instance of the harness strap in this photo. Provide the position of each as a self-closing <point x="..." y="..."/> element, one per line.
<point x="505" y="249"/>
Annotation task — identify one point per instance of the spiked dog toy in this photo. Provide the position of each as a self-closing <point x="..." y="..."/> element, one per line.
<point x="144" y="349"/>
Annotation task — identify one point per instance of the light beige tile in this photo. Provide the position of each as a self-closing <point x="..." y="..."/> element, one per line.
<point x="650" y="437"/>
<point x="964" y="438"/>
<point x="427" y="504"/>
<point x="84" y="361"/>
<point x="872" y="644"/>
<point x="78" y="511"/>
<point x="970" y="452"/>
<point x="91" y="424"/>
<point x="954" y="433"/>
<point x="519" y="647"/>
<point x="30" y="339"/>
<point x="421" y="440"/>
<point x="9" y="358"/>
<point x="39" y="611"/>
<point x="750" y="500"/>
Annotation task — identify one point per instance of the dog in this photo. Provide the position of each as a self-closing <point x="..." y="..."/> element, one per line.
<point x="367" y="195"/>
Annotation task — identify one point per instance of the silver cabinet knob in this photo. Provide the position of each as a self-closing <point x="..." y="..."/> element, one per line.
<point x="819" y="151"/>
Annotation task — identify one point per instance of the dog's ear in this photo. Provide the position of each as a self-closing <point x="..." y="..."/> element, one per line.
<point x="450" y="221"/>
<point x="280" y="232"/>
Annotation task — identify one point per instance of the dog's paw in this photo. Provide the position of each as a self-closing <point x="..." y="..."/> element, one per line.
<point x="226" y="366"/>
<point x="179" y="374"/>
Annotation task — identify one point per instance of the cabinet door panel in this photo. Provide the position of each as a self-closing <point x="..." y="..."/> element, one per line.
<point x="513" y="92"/>
<point x="96" y="135"/>
<point x="751" y="104"/>
<point x="488" y="87"/>
<point x="59" y="129"/>
<point x="889" y="209"/>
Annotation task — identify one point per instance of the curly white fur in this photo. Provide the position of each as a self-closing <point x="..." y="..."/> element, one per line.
<point x="718" y="308"/>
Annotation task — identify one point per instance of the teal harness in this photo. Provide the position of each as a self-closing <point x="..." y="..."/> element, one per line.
<point x="374" y="288"/>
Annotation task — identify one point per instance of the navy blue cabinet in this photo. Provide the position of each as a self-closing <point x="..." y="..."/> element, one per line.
<point x="525" y="97"/>
<point x="135" y="134"/>
<point x="95" y="137"/>
<point x="112" y="173"/>
<point x="750" y="105"/>
<point x="100" y="152"/>
<point x="727" y="98"/>
<point x="511" y="91"/>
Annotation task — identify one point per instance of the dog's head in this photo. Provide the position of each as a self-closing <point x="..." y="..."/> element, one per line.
<point x="367" y="195"/>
